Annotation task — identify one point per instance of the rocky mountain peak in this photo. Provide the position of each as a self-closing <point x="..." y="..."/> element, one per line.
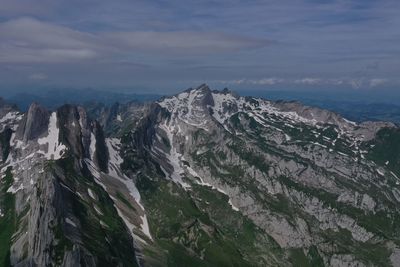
<point x="9" y="115"/>
<point x="191" y="106"/>
<point x="227" y="91"/>
<point x="34" y="123"/>
<point x="202" y="87"/>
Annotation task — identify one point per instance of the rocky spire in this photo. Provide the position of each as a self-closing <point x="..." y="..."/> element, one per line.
<point x="34" y="123"/>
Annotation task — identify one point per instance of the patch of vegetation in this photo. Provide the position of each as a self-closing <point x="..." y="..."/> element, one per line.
<point x="111" y="244"/>
<point x="165" y="141"/>
<point x="221" y="155"/>
<point x="297" y="258"/>
<point x="380" y="223"/>
<point x="330" y="132"/>
<point x="5" y="137"/>
<point x="343" y="146"/>
<point x="314" y="258"/>
<point x="201" y="229"/>
<point x="386" y="148"/>
<point x="62" y="243"/>
<point x="230" y="174"/>
<point x="250" y="157"/>
<point x="122" y="198"/>
<point x="9" y="219"/>
<point x="372" y="254"/>
<point x="101" y="149"/>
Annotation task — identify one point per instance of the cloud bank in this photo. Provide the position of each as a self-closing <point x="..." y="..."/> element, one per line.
<point x="153" y="44"/>
<point x="29" y="40"/>
<point x="355" y="83"/>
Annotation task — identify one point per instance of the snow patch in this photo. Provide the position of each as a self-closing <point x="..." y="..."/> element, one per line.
<point x="103" y="224"/>
<point x="233" y="206"/>
<point x="14" y="190"/>
<point x="321" y="145"/>
<point x="13" y="115"/>
<point x="145" y="226"/>
<point x="343" y="154"/>
<point x="69" y="221"/>
<point x="186" y="107"/>
<point x="92" y="147"/>
<point x="54" y="148"/>
<point x="91" y="194"/>
<point x="201" y="182"/>
<point x="221" y="102"/>
<point x="115" y="160"/>
<point x="380" y="172"/>
<point x="174" y="159"/>
<point x="350" y="122"/>
<point x="98" y="211"/>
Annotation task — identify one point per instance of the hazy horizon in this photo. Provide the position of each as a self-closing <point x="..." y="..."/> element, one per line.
<point x="366" y="96"/>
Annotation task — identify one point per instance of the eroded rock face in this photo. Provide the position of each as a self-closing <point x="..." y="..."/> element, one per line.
<point x="34" y="123"/>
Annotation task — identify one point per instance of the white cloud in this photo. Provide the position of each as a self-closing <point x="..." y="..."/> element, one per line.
<point x="182" y="41"/>
<point x="30" y="40"/>
<point x="38" y="77"/>
<point x="308" y="81"/>
<point x="355" y="83"/>
<point x="377" y="82"/>
<point x="263" y="81"/>
<point x="267" y="81"/>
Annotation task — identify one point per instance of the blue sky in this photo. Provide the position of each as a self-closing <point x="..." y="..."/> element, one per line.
<point x="166" y="46"/>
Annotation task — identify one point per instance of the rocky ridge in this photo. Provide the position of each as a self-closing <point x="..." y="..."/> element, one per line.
<point x="202" y="178"/>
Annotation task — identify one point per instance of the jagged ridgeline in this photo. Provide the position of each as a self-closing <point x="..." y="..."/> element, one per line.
<point x="202" y="178"/>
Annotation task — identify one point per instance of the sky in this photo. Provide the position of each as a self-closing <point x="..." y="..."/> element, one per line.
<point x="157" y="46"/>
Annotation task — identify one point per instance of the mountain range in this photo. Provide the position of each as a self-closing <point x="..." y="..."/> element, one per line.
<point x="201" y="178"/>
<point x="356" y="106"/>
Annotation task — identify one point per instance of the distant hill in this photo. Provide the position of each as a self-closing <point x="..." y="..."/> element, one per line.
<point x="54" y="98"/>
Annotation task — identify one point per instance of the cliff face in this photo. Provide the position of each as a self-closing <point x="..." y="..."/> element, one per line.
<point x="61" y="215"/>
<point x="202" y="178"/>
